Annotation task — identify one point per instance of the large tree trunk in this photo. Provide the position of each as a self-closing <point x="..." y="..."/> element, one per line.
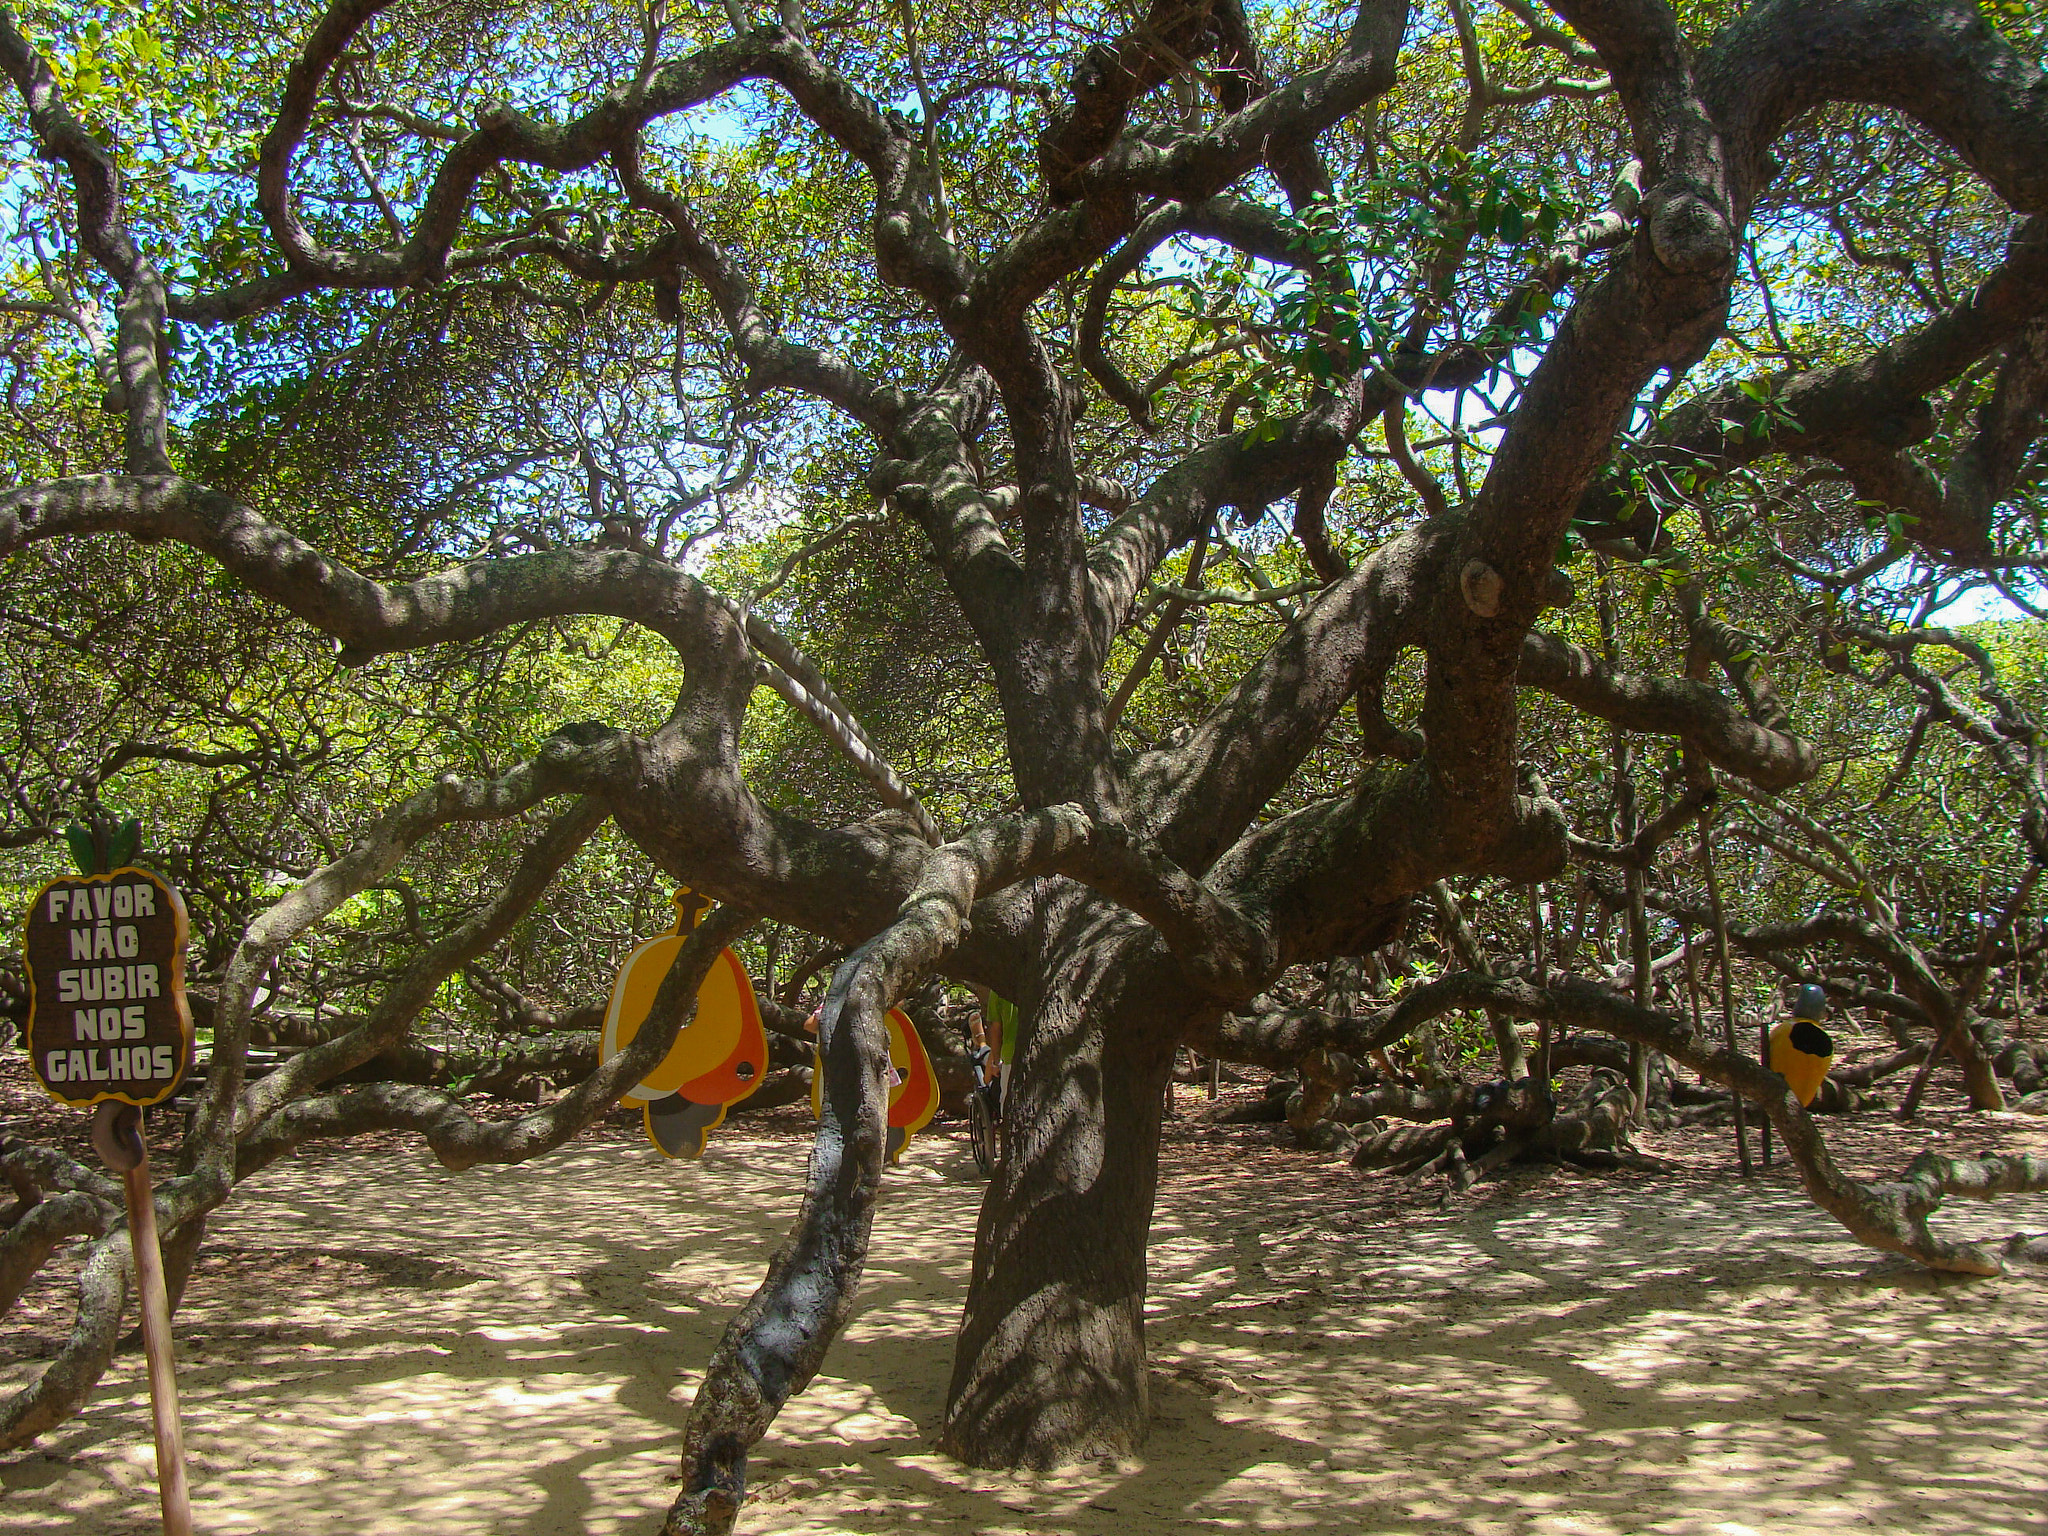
<point x="1050" y="1363"/>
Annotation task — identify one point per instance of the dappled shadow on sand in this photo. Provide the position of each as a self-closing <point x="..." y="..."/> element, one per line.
<point x="377" y="1346"/>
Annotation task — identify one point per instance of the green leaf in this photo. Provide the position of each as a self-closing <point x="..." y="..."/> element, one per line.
<point x="84" y="853"/>
<point x="124" y="844"/>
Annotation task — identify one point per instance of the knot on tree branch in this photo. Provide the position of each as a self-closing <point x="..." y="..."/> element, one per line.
<point x="890" y="477"/>
<point x="1688" y="233"/>
<point x="1535" y="842"/>
<point x="1481" y="585"/>
<point x="501" y="116"/>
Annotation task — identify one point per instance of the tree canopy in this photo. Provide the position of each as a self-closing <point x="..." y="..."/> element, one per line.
<point x="1151" y="510"/>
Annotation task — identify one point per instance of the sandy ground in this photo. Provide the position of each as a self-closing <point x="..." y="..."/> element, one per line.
<point x="373" y="1345"/>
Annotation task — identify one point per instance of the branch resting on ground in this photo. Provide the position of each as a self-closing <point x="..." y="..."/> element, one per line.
<point x="1891" y="1216"/>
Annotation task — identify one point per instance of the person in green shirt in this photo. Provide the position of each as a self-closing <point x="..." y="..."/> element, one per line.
<point x="1002" y="1024"/>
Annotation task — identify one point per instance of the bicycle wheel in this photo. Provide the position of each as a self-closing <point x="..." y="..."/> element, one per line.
<point x="981" y="1131"/>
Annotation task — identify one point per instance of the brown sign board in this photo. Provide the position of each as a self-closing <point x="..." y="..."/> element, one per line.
<point x="106" y="965"/>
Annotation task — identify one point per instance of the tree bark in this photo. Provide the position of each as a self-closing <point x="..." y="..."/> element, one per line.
<point x="1050" y="1363"/>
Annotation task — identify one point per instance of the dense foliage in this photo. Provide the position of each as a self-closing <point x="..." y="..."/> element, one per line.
<point x="1212" y="520"/>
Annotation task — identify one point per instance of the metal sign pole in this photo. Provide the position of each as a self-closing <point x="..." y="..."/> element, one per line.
<point x="117" y="1136"/>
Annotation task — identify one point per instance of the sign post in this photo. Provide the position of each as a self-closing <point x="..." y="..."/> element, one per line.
<point x="109" y="1029"/>
<point x="117" y="1137"/>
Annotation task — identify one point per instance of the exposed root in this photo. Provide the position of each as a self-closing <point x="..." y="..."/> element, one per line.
<point x="1605" y="1159"/>
<point x="1495" y="1126"/>
<point x="2026" y="1065"/>
<point x="1864" y="1074"/>
<point x="67" y="1380"/>
<point x="1403" y="1147"/>
<point x="27" y="1245"/>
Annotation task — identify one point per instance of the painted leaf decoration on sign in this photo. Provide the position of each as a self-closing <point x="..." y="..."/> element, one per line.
<point x="124" y="844"/>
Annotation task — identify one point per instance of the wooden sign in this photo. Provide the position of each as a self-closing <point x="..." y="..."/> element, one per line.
<point x="913" y="1085"/>
<point x="108" y="1024"/>
<point x="718" y="1058"/>
<point x="108" y="1021"/>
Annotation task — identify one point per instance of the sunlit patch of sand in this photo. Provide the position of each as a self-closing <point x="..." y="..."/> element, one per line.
<point x="377" y="1346"/>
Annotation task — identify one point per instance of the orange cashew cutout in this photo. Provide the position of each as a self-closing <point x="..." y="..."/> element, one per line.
<point x="913" y="1086"/>
<point x="718" y="1058"/>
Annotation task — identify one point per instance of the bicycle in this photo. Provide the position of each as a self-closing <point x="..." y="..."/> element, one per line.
<point x="985" y="1114"/>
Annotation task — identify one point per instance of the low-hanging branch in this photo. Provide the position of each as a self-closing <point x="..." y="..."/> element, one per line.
<point x="778" y="1340"/>
<point x="457" y="1138"/>
<point x="1179" y="863"/>
<point x="1892" y="1216"/>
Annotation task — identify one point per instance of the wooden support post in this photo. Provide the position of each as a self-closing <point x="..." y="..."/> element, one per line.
<point x="1542" y="970"/>
<point x="1763" y="1054"/>
<point x="1909" y="1106"/>
<point x="1639" y="1061"/>
<point x="117" y="1136"/>
<point x="1623" y="825"/>
<point x="1727" y="978"/>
